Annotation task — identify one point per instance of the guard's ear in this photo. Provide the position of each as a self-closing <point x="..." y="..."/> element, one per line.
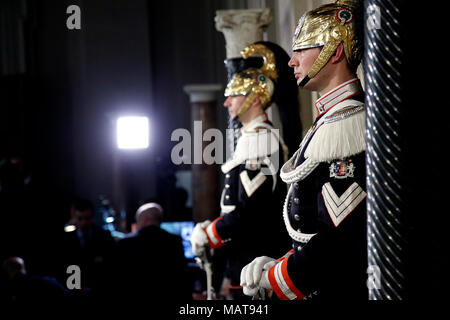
<point x="256" y="102"/>
<point x="339" y="54"/>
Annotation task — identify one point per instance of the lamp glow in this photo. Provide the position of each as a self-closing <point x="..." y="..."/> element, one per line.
<point x="132" y="133"/>
<point x="109" y="220"/>
<point x="69" y="228"/>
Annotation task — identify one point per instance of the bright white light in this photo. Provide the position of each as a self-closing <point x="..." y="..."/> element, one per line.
<point x="109" y="219"/>
<point x="69" y="228"/>
<point x="132" y="132"/>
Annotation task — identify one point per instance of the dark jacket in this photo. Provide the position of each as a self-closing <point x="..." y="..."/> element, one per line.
<point x="250" y="224"/>
<point x="93" y="256"/>
<point x="151" y="265"/>
<point x="325" y="211"/>
<point x="29" y="289"/>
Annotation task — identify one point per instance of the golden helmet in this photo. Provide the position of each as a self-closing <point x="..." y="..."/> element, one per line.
<point x="328" y="26"/>
<point x="255" y="82"/>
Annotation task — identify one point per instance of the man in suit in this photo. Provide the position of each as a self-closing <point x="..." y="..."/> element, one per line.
<point x="89" y="247"/>
<point x="151" y="262"/>
<point x="23" y="287"/>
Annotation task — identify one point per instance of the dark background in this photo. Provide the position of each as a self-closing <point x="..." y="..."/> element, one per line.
<point x="61" y="91"/>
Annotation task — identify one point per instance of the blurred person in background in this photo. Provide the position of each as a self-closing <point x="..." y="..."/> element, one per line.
<point x="89" y="247"/>
<point x="23" y="287"/>
<point x="150" y="263"/>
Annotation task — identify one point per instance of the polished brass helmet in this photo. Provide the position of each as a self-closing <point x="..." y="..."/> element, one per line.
<point x="255" y="82"/>
<point x="328" y="26"/>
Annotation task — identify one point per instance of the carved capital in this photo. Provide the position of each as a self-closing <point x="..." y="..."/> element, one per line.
<point x="242" y="28"/>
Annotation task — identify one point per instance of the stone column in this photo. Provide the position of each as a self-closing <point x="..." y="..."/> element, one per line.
<point x="242" y="28"/>
<point x="204" y="176"/>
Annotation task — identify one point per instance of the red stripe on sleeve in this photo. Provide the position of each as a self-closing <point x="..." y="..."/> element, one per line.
<point x="274" y="284"/>
<point x="220" y="243"/>
<point x="288" y="280"/>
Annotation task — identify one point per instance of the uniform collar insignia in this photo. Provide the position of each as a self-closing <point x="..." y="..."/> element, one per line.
<point x="336" y="95"/>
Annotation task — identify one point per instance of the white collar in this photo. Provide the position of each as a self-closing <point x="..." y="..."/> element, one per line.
<point x="255" y="123"/>
<point x="336" y="95"/>
<point x="254" y="144"/>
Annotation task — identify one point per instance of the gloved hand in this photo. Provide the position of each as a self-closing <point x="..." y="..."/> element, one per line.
<point x="199" y="239"/>
<point x="255" y="275"/>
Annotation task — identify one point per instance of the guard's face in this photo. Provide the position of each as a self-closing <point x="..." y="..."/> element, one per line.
<point x="302" y="61"/>
<point x="233" y="104"/>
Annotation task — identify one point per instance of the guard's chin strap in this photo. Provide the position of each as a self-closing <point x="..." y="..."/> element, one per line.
<point x="324" y="56"/>
<point x="235" y="122"/>
<point x="235" y="125"/>
<point x="247" y="103"/>
<point x="304" y="81"/>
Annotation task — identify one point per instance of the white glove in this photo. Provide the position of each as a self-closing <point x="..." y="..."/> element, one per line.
<point x="199" y="239"/>
<point x="255" y="275"/>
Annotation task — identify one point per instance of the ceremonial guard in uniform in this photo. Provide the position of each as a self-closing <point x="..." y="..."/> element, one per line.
<point x="253" y="193"/>
<point x="325" y="210"/>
